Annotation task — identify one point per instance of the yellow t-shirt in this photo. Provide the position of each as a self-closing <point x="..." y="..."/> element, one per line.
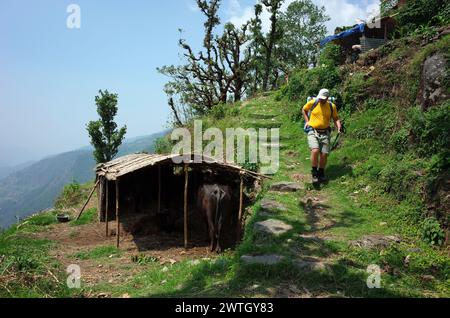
<point x="321" y="115"/>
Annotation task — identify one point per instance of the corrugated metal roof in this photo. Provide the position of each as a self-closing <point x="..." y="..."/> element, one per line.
<point x="131" y="163"/>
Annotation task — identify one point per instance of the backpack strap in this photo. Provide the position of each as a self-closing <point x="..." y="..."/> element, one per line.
<point x="315" y="105"/>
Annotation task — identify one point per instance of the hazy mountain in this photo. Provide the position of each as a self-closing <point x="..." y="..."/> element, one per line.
<point x="7" y="170"/>
<point x="36" y="186"/>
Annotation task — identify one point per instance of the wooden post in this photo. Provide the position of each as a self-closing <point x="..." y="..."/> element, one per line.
<point x="89" y="198"/>
<point x="117" y="213"/>
<point x="241" y="201"/>
<point x="159" y="189"/>
<point x="107" y="208"/>
<point x="186" y="183"/>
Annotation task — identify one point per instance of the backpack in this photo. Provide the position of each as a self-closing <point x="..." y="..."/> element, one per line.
<point x="307" y="129"/>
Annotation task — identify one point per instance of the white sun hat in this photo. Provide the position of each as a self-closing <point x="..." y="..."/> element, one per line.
<point x="324" y="94"/>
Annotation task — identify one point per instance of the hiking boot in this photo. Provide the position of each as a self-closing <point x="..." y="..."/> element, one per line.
<point x="315" y="177"/>
<point x="321" y="176"/>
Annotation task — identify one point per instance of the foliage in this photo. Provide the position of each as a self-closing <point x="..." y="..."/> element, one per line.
<point x="431" y="131"/>
<point x="432" y="232"/>
<point x="71" y="195"/>
<point x="105" y="137"/>
<point x="303" y="25"/>
<point x="420" y="12"/>
<point x="331" y="55"/>
<point x="355" y="90"/>
<point x="162" y="146"/>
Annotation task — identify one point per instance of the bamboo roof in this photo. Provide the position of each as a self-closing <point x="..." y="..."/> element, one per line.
<point x="131" y="163"/>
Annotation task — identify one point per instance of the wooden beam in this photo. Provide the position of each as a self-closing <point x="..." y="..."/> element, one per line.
<point x="117" y="214"/>
<point x="107" y="209"/>
<point x="159" y="189"/>
<point x="186" y="184"/>
<point x="89" y="198"/>
<point x="241" y="206"/>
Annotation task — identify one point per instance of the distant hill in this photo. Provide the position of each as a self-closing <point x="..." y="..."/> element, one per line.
<point x="35" y="187"/>
<point x="7" y="170"/>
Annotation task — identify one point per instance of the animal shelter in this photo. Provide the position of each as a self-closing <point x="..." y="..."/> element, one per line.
<point x="145" y="194"/>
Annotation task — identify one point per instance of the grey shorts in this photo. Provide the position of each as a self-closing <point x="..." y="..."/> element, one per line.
<point x="320" y="141"/>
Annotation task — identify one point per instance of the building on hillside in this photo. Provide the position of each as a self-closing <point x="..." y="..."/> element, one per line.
<point x="364" y="36"/>
<point x="139" y="192"/>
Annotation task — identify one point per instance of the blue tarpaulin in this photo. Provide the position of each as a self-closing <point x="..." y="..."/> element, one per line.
<point x="357" y="29"/>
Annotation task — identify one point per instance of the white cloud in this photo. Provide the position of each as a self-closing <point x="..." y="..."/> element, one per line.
<point x="341" y="12"/>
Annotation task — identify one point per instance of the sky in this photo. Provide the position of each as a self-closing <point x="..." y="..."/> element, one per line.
<point x="50" y="74"/>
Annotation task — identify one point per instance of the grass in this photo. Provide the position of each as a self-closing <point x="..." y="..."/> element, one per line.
<point x="98" y="253"/>
<point x="372" y="190"/>
<point x="86" y="218"/>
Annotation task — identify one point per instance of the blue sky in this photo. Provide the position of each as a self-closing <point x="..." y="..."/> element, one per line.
<point x="49" y="74"/>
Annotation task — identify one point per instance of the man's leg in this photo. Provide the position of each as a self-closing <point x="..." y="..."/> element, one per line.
<point x="322" y="166"/>
<point x="315" y="164"/>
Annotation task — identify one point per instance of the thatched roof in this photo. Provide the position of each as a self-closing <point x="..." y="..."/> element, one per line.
<point x="127" y="164"/>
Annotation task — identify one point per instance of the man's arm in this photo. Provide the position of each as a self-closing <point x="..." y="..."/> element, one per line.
<point x="305" y="116"/>
<point x="337" y="121"/>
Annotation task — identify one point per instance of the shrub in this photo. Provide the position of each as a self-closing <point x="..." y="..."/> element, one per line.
<point x="331" y="55"/>
<point x="71" y="195"/>
<point x="420" y="12"/>
<point x="308" y="82"/>
<point x="430" y="130"/>
<point x="162" y="146"/>
<point x="219" y="111"/>
<point x="355" y="91"/>
<point x="432" y="232"/>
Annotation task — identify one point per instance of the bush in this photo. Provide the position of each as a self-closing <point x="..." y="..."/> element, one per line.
<point x="219" y="111"/>
<point x="430" y="130"/>
<point x="162" y="146"/>
<point x="71" y="195"/>
<point x="432" y="232"/>
<point x="331" y="55"/>
<point x="308" y="82"/>
<point x="420" y="12"/>
<point x="355" y="91"/>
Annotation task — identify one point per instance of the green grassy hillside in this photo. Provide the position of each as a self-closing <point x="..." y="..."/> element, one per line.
<point x="383" y="178"/>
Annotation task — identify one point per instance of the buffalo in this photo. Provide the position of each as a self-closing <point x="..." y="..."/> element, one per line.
<point x="214" y="202"/>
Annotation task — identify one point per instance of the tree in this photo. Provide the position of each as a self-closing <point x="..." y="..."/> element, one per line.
<point x="275" y="34"/>
<point x="303" y="26"/>
<point x="105" y="137"/>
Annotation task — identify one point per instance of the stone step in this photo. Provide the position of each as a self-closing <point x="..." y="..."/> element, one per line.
<point x="271" y="259"/>
<point x="286" y="187"/>
<point x="272" y="227"/>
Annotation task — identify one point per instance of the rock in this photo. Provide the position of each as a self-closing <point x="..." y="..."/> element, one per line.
<point x="309" y="264"/>
<point x="286" y="187"/>
<point x="126" y="296"/>
<point x="432" y="85"/>
<point x="428" y="278"/>
<point x="165" y="269"/>
<point x="262" y="259"/>
<point x="383" y="224"/>
<point x="376" y="241"/>
<point x="164" y="282"/>
<point x="271" y="206"/>
<point x="272" y="227"/>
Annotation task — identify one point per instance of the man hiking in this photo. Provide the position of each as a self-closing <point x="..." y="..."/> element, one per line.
<point x="318" y="113"/>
